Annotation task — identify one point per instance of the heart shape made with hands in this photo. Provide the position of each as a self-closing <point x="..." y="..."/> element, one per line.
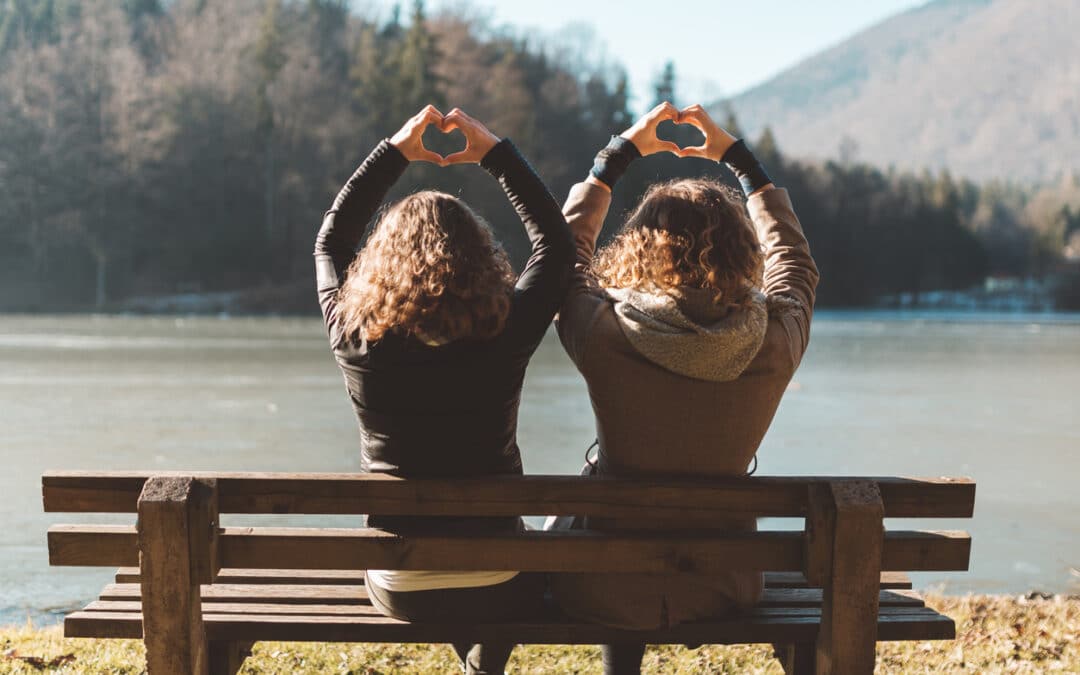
<point x="443" y="140"/>
<point x="644" y="132"/>
<point x="678" y="131"/>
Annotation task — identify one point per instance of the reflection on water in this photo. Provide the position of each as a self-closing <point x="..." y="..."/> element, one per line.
<point x="990" y="397"/>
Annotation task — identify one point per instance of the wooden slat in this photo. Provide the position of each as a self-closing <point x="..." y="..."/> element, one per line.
<point x="282" y="493"/>
<point x="284" y="593"/>
<point x="229" y="575"/>
<point x="232" y="575"/>
<point x="584" y="551"/>
<point x="360" y="609"/>
<point x="93" y="545"/>
<point x="214" y="607"/>
<point x="926" y="551"/>
<point x="126" y="597"/>
<point x="535" y="551"/>
<point x="893" y="624"/>
<point x="898" y="580"/>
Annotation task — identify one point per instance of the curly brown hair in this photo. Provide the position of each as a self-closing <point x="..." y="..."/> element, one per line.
<point x="685" y="233"/>
<point x="431" y="268"/>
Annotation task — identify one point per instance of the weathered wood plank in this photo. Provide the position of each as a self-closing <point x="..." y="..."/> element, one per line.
<point x="117" y="492"/>
<point x="926" y="551"/>
<point x="564" y="551"/>
<point x="93" y="545"/>
<point x="899" y="624"/>
<point x="303" y="599"/>
<point x="230" y="575"/>
<point x="284" y="593"/>
<point x="332" y="549"/>
<point x="852" y="519"/>
<point x="175" y="514"/>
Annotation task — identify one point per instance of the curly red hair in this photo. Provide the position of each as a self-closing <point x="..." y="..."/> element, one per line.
<point x="431" y="268"/>
<point x="692" y="233"/>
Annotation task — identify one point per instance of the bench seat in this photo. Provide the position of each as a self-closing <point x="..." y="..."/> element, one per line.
<point x="343" y="612"/>
<point x="333" y="605"/>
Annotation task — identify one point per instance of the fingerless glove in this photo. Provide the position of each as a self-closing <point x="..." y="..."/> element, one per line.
<point x="613" y="161"/>
<point x="746" y="167"/>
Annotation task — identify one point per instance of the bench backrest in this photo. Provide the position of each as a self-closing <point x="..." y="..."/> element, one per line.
<point x="826" y="504"/>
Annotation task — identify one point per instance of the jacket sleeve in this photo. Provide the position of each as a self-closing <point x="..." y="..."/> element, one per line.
<point x="542" y="283"/>
<point x="790" y="272"/>
<point x="344" y="224"/>
<point x="585" y="210"/>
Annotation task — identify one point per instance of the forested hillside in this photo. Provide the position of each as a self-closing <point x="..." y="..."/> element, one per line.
<point x="152" y="148"/>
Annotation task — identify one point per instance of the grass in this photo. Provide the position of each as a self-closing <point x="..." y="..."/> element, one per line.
<point x="996" y="634"/>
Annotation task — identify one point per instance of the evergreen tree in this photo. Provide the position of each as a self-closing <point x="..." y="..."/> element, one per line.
<point x="417" y="84"/>
<point x="664" y="87"/>
<point x="270" y="58"/>
<point x="766" y="150"/>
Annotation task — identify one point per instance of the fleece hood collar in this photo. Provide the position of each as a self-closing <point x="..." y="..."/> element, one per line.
<point x="687" y="333"/>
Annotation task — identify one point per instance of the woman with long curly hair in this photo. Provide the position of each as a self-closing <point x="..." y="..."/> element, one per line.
<point x="432" y="333"/>
<point x="688" y="327"/>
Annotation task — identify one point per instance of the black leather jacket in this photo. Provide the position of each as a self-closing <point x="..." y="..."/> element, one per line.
<point x="447" y="410"/>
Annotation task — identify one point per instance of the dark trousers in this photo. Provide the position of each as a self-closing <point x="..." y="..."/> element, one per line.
<point x="623" y="658"/>
<point x="520" y="598"/>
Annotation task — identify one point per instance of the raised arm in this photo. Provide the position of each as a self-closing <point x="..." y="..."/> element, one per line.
<point x="343" y="226"/>
<point x="586" y="208"/>
<point x="790" y="272"/>
<point x="543" y="281"/>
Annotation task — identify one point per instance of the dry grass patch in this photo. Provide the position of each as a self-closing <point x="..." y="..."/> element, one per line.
<point x="997" y="634"/>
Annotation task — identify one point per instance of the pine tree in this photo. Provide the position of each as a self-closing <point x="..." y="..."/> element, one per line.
<point x="664" y="87"/>
<point x="417" y="83"/>
<point x="731" y="123"/>
<point x="270" y="58"/>
<point x="767" y="151"/>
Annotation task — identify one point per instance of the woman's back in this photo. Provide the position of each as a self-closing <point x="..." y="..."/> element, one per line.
<point x="436" y="410"/>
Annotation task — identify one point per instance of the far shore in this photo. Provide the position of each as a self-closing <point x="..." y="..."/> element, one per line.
<point x="297" y="299"/>
<point x="1033" y="633"/>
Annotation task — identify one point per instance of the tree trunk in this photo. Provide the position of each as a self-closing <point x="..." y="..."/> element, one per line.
<point x="100" y="296"/>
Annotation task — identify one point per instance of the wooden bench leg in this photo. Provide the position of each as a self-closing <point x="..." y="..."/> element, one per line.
<point x="226" y="658"/>
<point x="797" y="659"/>
<point x="177" y="551"/>
<point x="844" y="554"/>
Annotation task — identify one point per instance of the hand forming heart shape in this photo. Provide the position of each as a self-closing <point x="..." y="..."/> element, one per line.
<point x="478" y="140"/>
<point x="643" y="133"/>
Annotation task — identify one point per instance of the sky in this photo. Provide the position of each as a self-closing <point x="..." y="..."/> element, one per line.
<point x="719" y="47"/>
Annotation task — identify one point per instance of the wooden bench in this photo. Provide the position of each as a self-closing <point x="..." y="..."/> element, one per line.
<point x="200" y="594"/>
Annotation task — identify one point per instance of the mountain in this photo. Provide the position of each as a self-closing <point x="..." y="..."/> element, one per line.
<point x="986" y="88"/>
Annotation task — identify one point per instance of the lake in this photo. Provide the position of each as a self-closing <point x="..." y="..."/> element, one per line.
<point x="992" y="397"/>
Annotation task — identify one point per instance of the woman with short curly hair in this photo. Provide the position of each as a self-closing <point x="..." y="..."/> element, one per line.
<point x="688" y="327"/>
<point x="432" y="333"/>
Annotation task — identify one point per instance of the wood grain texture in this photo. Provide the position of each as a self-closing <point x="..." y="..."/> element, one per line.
<point x="334" y="549"/>
<point x="849" y="610"/>
<point x="174" y="518"/>
<point x="93" y="545"/>
<point x="114" y="596"/>
<point x="283" y="493"/>
<point x="534" y="551"/>
<point x="893" y="624"/>
<point x="232" y="575"/>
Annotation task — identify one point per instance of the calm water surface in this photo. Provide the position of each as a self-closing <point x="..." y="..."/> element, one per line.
<point x="990" y="397"/>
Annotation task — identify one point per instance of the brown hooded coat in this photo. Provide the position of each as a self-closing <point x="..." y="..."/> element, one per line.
<point x="681" y="388"/>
